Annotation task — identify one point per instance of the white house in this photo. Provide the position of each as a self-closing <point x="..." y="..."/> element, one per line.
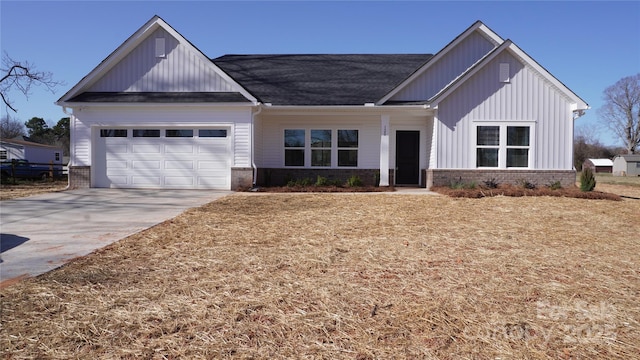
<point x="158" y="113"/>
<point x="13" y="149"/>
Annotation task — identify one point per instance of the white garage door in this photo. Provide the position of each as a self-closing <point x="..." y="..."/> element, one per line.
<point x="176" y="158"/>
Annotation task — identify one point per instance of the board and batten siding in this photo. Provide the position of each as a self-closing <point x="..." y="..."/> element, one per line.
<point x="237" y="120"/>
<point x="446" y="69"/>
<point x="526" y="98"/>
<point x="179" y="70"/>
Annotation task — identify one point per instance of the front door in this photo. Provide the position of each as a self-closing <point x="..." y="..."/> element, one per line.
<point x="407" y="157"/>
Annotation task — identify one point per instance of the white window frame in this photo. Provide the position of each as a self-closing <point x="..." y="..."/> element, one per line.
<point x="4" y="154"/>
<point x="308" y="149"/>
<point x="502" y="144"/>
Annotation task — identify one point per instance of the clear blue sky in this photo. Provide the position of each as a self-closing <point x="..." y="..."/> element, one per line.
<point x="588" y="45"/>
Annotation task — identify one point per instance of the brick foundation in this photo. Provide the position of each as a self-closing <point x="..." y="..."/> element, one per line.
<point x="241" y="178"/>
<point x="444" y="177"/>
<point x="79" y="177"/>
<point x="280" y="177"/>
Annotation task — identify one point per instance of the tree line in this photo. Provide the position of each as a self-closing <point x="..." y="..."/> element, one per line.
<point x="38" y="131"/>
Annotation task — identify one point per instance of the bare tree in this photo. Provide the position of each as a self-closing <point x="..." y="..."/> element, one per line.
<point x="10" y="127"/>
<point x="22" y="76"/>
<point x="621" y="111"/>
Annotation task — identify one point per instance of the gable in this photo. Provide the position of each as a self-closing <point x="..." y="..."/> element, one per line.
<point x="445" y="68"/>
<point x="156" y="59"/>
<point x="179" y="70"/>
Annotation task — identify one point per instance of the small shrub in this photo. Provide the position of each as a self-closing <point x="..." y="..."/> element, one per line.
<point x="376" y="178"/>
<point x="587" y="180"/>
<point x="300" y="182"/>
<point x="459" y="184"/>
<point x="556" y="185"/>
<point x="322" y="181"/>
<point x="491" y="183"/>
<point x="525" y="184"/>
<point x="354" y="181"/>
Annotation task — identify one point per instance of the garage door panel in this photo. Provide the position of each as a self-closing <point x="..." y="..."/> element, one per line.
<point x="178" y="149"/>
<point x="145" y="165"/>
<point x="145" y="148"/>
<point x="179" y="165"/>
<point x="163" y="162"/>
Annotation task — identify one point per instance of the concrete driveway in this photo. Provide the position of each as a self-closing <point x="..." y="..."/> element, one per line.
<point x="42" y="232"/>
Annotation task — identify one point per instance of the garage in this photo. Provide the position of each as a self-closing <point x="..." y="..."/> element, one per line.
<point x="175" y="158"/>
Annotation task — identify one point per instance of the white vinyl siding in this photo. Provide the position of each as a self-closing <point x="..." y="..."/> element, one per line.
<point x="447" y="68"/>
<point x="180" y="69"/>
<point x="237" y="120"/>
<point x="527" y="98"/>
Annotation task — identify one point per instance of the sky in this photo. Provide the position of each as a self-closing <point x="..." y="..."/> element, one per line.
<point x="587" y="45"/>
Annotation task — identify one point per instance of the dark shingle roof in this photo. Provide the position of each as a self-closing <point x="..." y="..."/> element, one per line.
<point x="320" y="79"/>
<point x="159" y="97"/>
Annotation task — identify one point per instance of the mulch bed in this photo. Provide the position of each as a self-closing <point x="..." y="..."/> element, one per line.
<point x="518" y="191"/>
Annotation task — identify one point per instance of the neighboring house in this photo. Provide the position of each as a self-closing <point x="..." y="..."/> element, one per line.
<point x="626" y="165"/>
<point x="11" y="149"/>
<point x="598" y="165"/>
<point x="158" y="113"/>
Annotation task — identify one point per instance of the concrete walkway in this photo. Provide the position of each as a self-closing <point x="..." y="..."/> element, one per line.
<point x="42" y="232"/>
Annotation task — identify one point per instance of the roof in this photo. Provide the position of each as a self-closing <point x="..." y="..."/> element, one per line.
<point x="320" y="79"/>
<point x="159" y="97"/>
<point x="601" y="162"/>
<point x="630" y="157"/>
<point x="27" y="143"/>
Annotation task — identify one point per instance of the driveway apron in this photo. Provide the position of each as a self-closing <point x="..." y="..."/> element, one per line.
<point x="42" y="232"/>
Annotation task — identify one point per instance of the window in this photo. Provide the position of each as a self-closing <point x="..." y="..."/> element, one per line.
<point x="179" y="133"/>
<point x="57" y="156"/>
<point x="517" y="146"/>
<point x="501" y="146"/>
<point x="348" y="148"/>
<point x="294" y="143"/>
<point x="146" y="133"/>
<point x="113" y="132"/>
<point x="212" y="133"/>
<point x="3" y="154"/>
<point x="488" y="145"/>
<point x="321" y="148"/>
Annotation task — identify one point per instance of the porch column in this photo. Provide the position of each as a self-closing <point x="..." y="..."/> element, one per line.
<point x="384" y="150"/>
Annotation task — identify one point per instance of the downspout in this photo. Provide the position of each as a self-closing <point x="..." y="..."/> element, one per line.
<point x="253" y="145"/>
<point x="71" y="127"/>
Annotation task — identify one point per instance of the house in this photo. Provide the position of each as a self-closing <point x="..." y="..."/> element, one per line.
<point x="626" y="165"/>
<point x="19" y="148"/>
<point x="599" y="165"/>
<point x="159" y="113"/>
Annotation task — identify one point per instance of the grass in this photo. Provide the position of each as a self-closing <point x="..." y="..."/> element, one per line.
<point x="617" y="180"/>
<point x="22" y="188"/>
<point x="347" y="276"/>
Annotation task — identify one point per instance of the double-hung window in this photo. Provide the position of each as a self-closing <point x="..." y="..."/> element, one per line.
<point x="321" y="147"/>
<point x="294" y="141"/>
<point x="503" y="146"/>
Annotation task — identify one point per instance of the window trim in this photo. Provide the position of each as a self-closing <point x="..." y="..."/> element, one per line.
<point x="308" y="148"/>
<point x="502" y="144"/>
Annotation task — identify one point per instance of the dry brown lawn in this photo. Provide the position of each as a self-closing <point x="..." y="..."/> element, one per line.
<point x="348" y="276"/>
<point x="24" y="188"/>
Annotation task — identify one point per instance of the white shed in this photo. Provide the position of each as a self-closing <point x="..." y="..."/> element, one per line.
<point x="626" y="165"/>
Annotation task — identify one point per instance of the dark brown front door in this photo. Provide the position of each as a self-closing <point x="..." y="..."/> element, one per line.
<point x="407" y="157"/>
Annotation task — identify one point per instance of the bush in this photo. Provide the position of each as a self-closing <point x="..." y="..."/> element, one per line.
<point x="525" y="184"/>
<point x="587" y="180"/>
<point x="322" y="181"/>
<point x="491" y="183"/>
<point x="556" y="185"/>
<point x="354" y="181"/>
